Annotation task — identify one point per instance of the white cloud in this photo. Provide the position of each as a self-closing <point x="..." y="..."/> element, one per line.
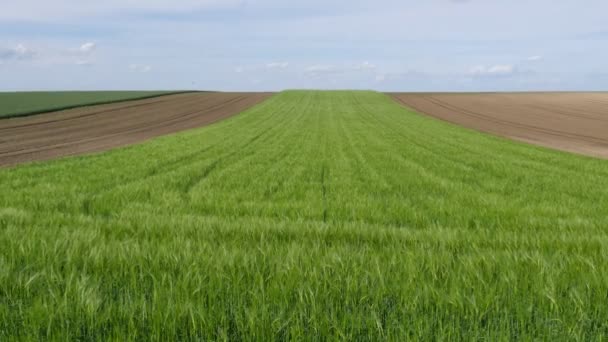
<point x="140" y="68"/>
<point x="534" y="58"/>
<point x="505" y="69"/>
<point x="321" y="69"/>
<point x="84" y="63"/>
<point x="411" y="75"/>
<point x="496" y="70"/>
<point x="49" y="55"/>
<point x="478" y="70"/>
<point x="333" y="69"/>
<point x="277" y="65"/>
<point x="364" y="66"/>
<point x="19" y="52"/>
<point x="87" y="47"/>
<point x="82" y="54"/>
<point x="262" y="67"/>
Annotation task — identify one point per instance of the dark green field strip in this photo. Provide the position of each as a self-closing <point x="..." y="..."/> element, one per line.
<point x="18" y="104"/>
<point x="313" y="215"/>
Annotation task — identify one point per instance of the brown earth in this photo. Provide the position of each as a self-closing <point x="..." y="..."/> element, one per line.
<point x="574" y="122"/>
<point x="99" y="128"/>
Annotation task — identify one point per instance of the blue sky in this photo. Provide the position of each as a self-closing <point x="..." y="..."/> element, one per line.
<point x="400" y="45"/>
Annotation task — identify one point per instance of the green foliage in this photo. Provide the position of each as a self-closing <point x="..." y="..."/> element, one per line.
<point x="314" y="215"/>
<point x="29" y="103"/>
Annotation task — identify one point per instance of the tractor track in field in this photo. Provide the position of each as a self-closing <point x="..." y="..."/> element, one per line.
<point x="573" y="122"/>
<point x="103" y="127"/>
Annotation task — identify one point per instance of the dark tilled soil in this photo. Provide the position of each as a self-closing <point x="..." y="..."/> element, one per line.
<point x="99" y="128"/>
<point x="573" y="122"/>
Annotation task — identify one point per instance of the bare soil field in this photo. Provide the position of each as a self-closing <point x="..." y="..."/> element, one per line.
<point x="98" y="128"/>
<point x="574" y="122"/>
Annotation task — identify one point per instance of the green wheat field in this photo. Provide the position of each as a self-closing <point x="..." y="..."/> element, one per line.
<point x="312" y="216"/>
<point x="14" y="104"/>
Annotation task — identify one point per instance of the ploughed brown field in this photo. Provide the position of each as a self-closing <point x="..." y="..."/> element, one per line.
<point x="574" y="122"/>
<point x="98" y="128"/>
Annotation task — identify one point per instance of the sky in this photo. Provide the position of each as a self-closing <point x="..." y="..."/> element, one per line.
<point x="254" y="45"/>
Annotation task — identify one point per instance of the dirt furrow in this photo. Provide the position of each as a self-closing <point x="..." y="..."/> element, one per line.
<point x="99" y="128"/>
<point x="573" y="122"/>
